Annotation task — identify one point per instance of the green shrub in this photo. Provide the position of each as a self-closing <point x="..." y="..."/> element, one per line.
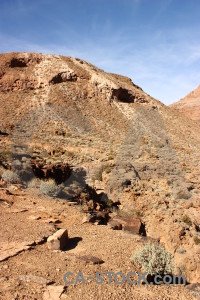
<point x="10" y="177"/>
<point x="50" y="188"/>
<point x="154" y="259"/>
<point x="187" y="220"/>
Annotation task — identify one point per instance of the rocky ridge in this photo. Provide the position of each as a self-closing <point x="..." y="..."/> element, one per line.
<point x="190" y="105"/>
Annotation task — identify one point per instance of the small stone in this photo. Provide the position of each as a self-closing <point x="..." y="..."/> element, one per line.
<point x="91" y="259"/>
<point x="15" y="211"/>
<point x="71" y="203"/>
<point x="34" y="217"/>
<point x="33" y="278"/>
<point x="5" y="267"/>
<point x="182" y="233"/>
<point x="52" y="221"/>
<point x="58" y="240"/>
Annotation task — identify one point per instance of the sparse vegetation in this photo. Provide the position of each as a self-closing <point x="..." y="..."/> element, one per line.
<point x="10" y="177"/>
<point x="129" y="213"/>
<point x="181" y="251"/>
<point x="107" y="170"/>
<point x="2" y="169"/>
<point x="138" y="214"/>
<point x="183" y="195"/>
<point x="69" y="154"/>
<point x="99" y="173"/>
<point x="50" y="188"/>
<point x="111" y="155"/>
<point x="196" y="240"/>
<point x="80" y="207"/>
<point x="33" y="183"/>
<point x="186" y="219"/>
<point x="108" y="203"/>
<point x="76" y="183"/>
<point x="169" y="181"/>
<point x="5" y="156"/>
<point x="154" y="259"/>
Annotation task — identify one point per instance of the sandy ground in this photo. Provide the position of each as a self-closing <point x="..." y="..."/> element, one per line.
<point x="29" y="270"/>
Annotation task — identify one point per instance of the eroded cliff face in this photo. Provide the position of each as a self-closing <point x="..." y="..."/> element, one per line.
<point x="190" y="105"/>
<point x="133" y="149"/>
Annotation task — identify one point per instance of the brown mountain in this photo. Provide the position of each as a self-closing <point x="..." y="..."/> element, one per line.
<point x="108" y="145"/>
<point x="190" y="105"/>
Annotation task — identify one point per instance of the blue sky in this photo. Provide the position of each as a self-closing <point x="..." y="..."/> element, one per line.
<point x="154" y="42"/>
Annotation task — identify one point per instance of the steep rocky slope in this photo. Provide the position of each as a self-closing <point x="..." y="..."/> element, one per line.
<point x="190" y="105"/>
<point x="61" y="113"/>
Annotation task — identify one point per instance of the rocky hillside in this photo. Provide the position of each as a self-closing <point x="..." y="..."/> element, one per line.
<point x="190" y="105"/>
<point x="107" y="144"/>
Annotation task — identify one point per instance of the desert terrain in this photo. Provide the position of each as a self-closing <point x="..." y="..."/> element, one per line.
<point x="90" y="152"/>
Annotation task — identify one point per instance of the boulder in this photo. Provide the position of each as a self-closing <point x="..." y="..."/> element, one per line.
<point x="134" y="225"/>
<point x="58" y="240"/>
